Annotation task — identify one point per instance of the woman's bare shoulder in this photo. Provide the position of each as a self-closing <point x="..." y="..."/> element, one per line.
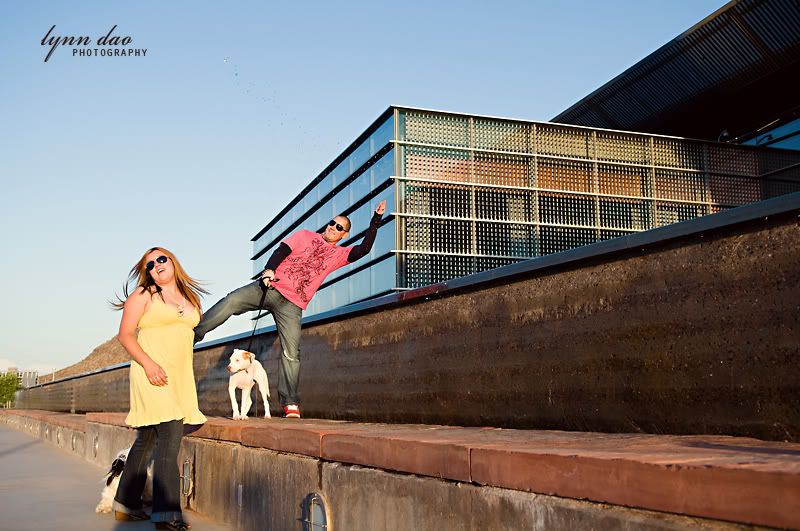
<point x="140" y="297"/>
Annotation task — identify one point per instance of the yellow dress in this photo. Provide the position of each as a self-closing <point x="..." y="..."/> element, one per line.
<point x="166" y="337"/>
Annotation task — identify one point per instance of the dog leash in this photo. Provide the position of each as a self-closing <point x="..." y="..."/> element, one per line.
<point x="258" y="315"/>
<point x="255" y="324"/>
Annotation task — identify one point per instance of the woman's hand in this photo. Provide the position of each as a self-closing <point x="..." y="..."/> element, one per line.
<point x="155" y="374"/>
<point x="381" y="207"/>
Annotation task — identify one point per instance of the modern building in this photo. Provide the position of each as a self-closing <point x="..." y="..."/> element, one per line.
<point x="732" y="77"/>
<point x="25" y="378"/>
<point x="470" y="193"/>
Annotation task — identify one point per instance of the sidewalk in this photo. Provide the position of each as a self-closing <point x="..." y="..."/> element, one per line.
<point x="42" y="487"/>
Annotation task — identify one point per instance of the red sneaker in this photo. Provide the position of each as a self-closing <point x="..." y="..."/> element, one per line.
<point x="291" y="411"/>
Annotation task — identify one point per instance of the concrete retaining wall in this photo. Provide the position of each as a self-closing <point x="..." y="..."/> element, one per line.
<point x="259" y="489"/>
<point x="693" y="331"/>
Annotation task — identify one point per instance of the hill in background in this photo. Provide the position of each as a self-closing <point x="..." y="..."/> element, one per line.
<point x="106" y="354"/>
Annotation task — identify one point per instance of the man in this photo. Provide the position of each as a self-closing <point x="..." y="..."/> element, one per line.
<point x="291" y="277"/>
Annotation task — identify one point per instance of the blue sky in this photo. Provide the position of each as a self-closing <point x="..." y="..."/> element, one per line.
<point x="233" y="110"/>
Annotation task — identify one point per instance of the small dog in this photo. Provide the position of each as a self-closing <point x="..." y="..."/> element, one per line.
<point x="112" y="482"/>
<point x="246" y="371"/>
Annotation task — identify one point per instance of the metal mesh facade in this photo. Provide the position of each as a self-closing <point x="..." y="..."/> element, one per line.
<point x="476" y="193"/>
<point x="467" y="193"/>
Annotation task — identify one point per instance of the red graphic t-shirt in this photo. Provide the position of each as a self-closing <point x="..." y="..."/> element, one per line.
<point x="303" y="271"/>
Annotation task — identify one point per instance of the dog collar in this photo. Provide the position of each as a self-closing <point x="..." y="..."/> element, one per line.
<point x="240" y="370"/>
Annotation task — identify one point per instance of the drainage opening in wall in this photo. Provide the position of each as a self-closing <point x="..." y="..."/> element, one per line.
<point x="96" y="445"/>
<point x="186" y="478"/>
<point x="315" y="513"/>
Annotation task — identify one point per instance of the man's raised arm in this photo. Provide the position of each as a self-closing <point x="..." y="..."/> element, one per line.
<point x="362" y="249"/>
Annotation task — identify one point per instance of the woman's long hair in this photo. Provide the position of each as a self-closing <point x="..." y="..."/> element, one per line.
<point x="140" y="277"/>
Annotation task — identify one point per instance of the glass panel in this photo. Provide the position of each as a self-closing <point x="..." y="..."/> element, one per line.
<point x="434" y="128"/>
<point x="341" y="293"/>
<point x="281" y="224"/>
<point x="383" y="135"/>
<point x="324" y="300"/>
<point x="296" y="212"/>
<point x="389" y="195"/>
<point x="768" y="137"/>
<point x="359" y="220"/>
<point x="341" y="202"/>
<point x="360" y="187"/>
<point x="310" y="199"/>
<point x="673" y="184"/>
<point x="504" y="239"/>
<point x="259" y="243"/>
<point x="733" y="191"/>
<point x="382" y="169"/>
<point x="313" y="307"/>
<point x="565" y="209"/>
<point x="563" y="141"/>
<point x="557" y="239"/>
<point x="437" y="199"/>
<point x="360" y="287"/>
<point x="624" y="214"/>
<point x="499" y="135"/>
<point x="565" y="175"/>
<point x="623" y="180"/>
<point x="503" y="204"/>
<point x="437" y="164"/>
<point x="341" y="173"/>
<point x="360" y="155"/>
<point x="677" y="153"/>
<point x="383" y="275"/>
<point x="791" y="142"/>
<point x="505" y="170"/>
<point x="325" y="186"/>
<point x="324" y="214"/>
<point x="667" y="213"/>
<point x="261" y="261"/>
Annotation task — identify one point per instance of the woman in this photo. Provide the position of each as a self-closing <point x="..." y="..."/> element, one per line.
<point x="164" y="308"/>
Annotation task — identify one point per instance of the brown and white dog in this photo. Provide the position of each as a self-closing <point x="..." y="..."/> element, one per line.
<point x="246" y="371"/>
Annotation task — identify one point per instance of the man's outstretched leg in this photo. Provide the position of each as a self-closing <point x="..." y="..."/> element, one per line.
<point x="239" y="301"/>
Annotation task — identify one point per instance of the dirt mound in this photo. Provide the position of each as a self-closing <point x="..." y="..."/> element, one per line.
<point x="108" y="353"/>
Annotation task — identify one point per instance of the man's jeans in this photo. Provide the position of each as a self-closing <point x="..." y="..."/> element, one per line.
<point x="166" y="437"/>
<point x="287" y="320"/>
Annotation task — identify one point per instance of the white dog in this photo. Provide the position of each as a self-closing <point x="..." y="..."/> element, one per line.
<point x="112" y="482"/>
<point x="246" y="371"/>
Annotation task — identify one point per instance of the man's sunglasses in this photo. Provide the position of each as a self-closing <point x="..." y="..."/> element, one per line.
<point x="151" y="264"/>
<point x="338" y="226"/>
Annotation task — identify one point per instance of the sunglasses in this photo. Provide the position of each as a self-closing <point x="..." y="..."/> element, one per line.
<point x="338" y="226"/>
<point x="151" y="264"/>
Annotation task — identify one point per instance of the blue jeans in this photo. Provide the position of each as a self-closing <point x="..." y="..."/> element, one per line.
<point x="166" y="437"/>
<point x="287" y="320"/>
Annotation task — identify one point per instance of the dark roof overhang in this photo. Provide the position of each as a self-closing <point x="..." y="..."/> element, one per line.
<point x="735" y="70"/>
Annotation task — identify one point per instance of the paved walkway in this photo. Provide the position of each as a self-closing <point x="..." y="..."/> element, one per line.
<point x="42" y="487"/>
